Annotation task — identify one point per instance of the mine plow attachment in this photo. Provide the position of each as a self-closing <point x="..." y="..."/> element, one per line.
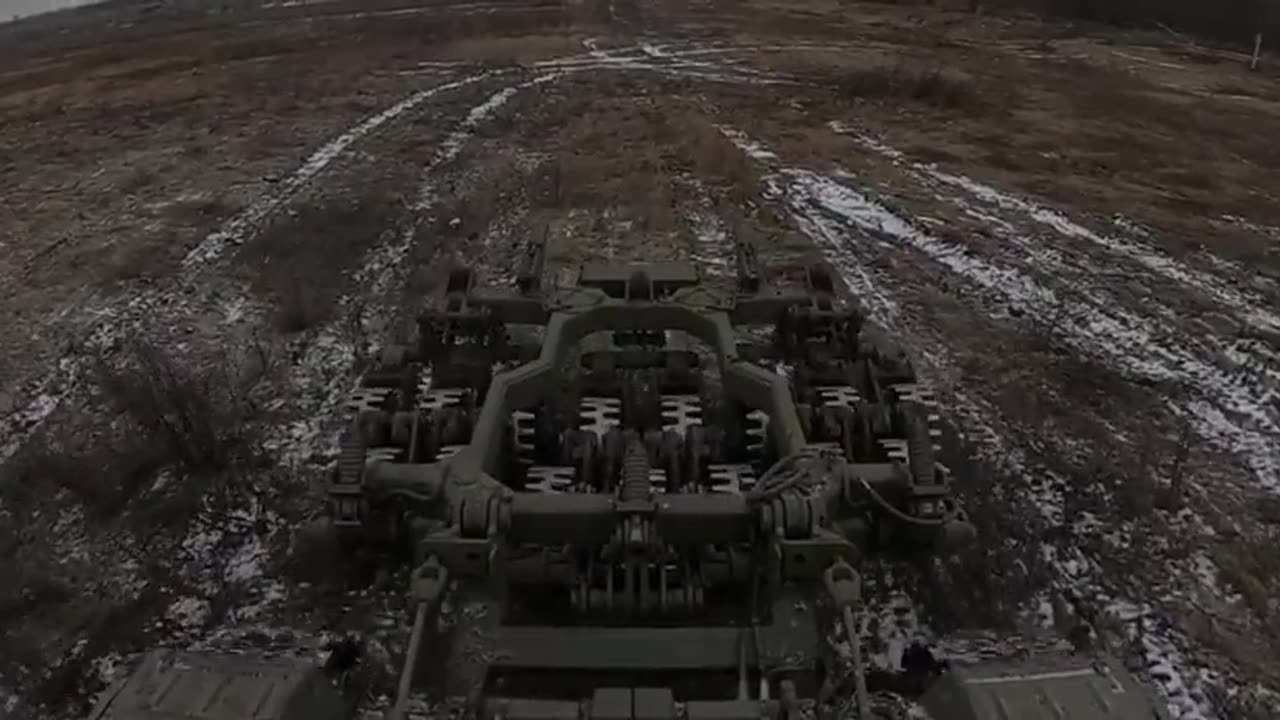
<point x="644" y="504"/>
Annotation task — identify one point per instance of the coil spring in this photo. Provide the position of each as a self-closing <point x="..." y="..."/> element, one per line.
<point x="636" y="484"/>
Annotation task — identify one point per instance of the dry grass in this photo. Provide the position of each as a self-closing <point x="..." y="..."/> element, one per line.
<point x="933" y="87"/>
<point x="298" y="307"/>
<point x="1255" y="574"/>
<point x="658" y="208"/>
<point x="303" y="245"/>
<point x="717" y="161"/>
<point x="1241" y="88"/>
<point x="150" y="413"/>
<point x="195" y="416"/>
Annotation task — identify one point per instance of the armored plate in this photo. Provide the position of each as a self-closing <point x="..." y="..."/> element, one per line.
<point x="613" y="277"/>
<point x="1048" y="687"/>
<point x="197" y="686"/>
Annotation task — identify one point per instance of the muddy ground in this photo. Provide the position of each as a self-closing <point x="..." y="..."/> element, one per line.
<point x="216" y="214"/>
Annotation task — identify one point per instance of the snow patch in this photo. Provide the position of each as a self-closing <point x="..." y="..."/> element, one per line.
<point x="201" y="542"/>
<point x="113" y="322"/>
<point x="867" y="141"/>
<point x="1238" y="415"/>
<point x="239" y="228"/>
<point x="1253" y="227"/>
<point x="713" y="251"/>
<point x="452" y="145"/>
<point x="753" y="149"/>
<point x="189" y="613"/>
<point x="19" y="425"/>
<point x="593" y="47"/>
<point x="653" y="51"/>
<point x="628" y="61"/>
<point x="384" y="267"/>
<point x="319" y="376"/>
<point x="109" y="667"/>
<point x="1165" y="664"/>
<point x="248" y="562"/>
<point x="1254" y="310"/>
<point x="836" y="217"/>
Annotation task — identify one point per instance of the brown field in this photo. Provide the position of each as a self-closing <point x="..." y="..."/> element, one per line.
<point x="1077" y="235"/>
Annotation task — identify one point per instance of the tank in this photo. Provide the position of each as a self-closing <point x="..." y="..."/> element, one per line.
<point x="645" y="497"/>
<point x="168" y="685"/>
<point x="1042" y="687"/>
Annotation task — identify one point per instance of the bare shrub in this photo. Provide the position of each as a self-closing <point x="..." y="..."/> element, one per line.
<point x="357" y="334"/>
<point x="71" y="681"/>
<point x="150" y="413"/>
<point x="194" y="416"/>
<point x="299" y="307"/>
<point x="984" y="584"/>
<point x="547" y="186"/>
<point x="931" y="87"/>
<point x="1174" y="495"/>
<point x="717" y="159"/>
<point x="32" y="586"/>
<point x="313" y="552"/>
<point x="1254" y="573"/>
<point x="101" y="472"/>
<point x="660" y="214"/>
<point x="659" y="196"/>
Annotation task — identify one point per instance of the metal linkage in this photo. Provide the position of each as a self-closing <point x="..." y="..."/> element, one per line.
<point x="427" y="588"/>
<point x="844" y="585"/>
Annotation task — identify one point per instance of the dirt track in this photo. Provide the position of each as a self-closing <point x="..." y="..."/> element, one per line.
<point x="1078" y="236"/>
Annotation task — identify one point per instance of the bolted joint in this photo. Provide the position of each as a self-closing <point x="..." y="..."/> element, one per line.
<point x="429" y="581"/>
<point x="843" y="584"/>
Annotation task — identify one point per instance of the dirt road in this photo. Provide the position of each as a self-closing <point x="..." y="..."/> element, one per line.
<point x="1077" y="235"/>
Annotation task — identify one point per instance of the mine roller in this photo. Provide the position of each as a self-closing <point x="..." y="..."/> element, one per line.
<point x="650" y="497"/>
<point x="643" y="497"/>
